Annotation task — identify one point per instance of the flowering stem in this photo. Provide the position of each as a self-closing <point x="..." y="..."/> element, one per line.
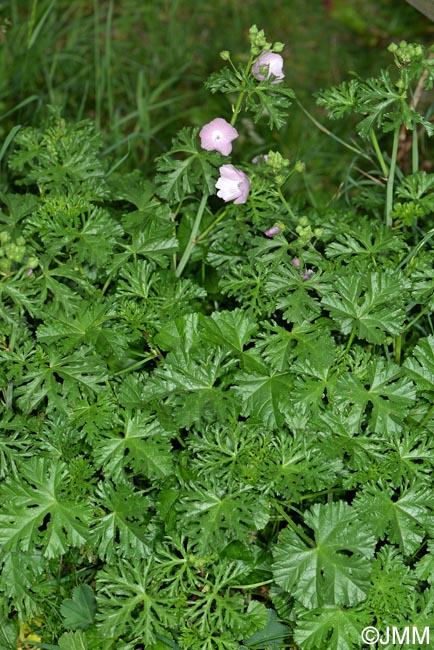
<point x="237" y="107"/>
<point x="379" y="154"/>
<point x="285" y="203"/>
<point x="322" y="128"/>
<point x="191" y="242"/>
<point x="391" y="178"/>
<point x="212" y="226"/>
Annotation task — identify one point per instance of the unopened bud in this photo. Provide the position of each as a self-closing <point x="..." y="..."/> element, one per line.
<point x="275" y="230"/>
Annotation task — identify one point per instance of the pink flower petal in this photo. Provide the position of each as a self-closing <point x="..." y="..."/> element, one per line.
<point x="233" y="185"/>
<point x="217" y="135"/>
<point x="269" y="63"/>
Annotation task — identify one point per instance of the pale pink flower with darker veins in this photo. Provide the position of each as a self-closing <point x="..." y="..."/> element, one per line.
<point x="233" y="184"/>
<point x="217" y="135"/>
<point x="269" y="63"/>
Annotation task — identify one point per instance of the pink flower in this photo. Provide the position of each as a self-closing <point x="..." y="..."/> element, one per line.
<point x="275" y="230"/>
<point x="233" y="184"/>
<point x="295" y="262"/>
<point x="267" y="65"/>
<point x="217" y="135"/>
<point x="307" y="275"/>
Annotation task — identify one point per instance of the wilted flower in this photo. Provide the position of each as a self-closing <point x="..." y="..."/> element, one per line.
<point x="233" y="185"/>
<point x="307" y="275"/>
<point x="269" y="63"/>
<point x="217" y="135"/>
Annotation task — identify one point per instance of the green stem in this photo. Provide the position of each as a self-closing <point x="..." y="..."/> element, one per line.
<point x="212" y="226"/>
<point x="242" y="94"/>
<point x="410" y="257"/>
<point x="416" y="318"/>
<point x="285" y="203"/>
<point x="322" y="128"/>
<point x="351" y="339"/>
<point x="380" y="156"/>
<point x="426" y="418"/>
<point x="135" y="365"/>
<point x="253" y="586"/>
<point x="391" y="178"/>
<point x="293" y="525"/>
<point x="398" y="347"/>
<point x="192" y="241"/>
<point x="415" y="151"/>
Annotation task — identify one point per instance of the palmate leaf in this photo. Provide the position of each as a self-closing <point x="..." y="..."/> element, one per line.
<point x="365" y="242"/>
<point x="217" y="607"/>
<point x="384" y="389"/>
<point x="73" y="641"/>
<point x="421" y="365"/>
<point x="119" y="527"/>
<point x="340" y="99"/>
<point x="37" y="515"/>
<point x="178" y="177"/>
<point x="232" y="329"/>
<point x="139" y="444"/>
<point x="384" y="105"/>
<point x="270" y="101"/>
<point x="371" y="304"/>
<point x="82" y="369"/>
<point x="294" y="465"/>
<point x="132" y="602"/>
<point x="425" y="566"/>
<point x="293" y="296"/>
<point x="90" y="325"/>
<point x="334" y="570"/>
<point x="264" y="392"/>
<point x="215" y="514"/>
<point x="187" y="384"/>
<point x="392" y="584"/>
<point x="62" y="157"/>
<point x="331" y="627"/>
<point x="97" y="238"/>
<point x="404" y="519"/>
<point x="20" y="581"/>
<point x="79" y="611"/>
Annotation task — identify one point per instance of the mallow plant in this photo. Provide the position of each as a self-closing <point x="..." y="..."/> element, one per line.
<point x="217" y="403"/>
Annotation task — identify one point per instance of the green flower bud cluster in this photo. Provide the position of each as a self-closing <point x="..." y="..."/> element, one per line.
<point x="13" y="252"/>
<point x="278" y="165"/>
<point x="259" y="43"/>
<point x="406" y="53"/>
<point x="305" y="232"/>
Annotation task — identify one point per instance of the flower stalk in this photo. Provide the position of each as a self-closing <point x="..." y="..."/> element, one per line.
<point x="192" y="240"/>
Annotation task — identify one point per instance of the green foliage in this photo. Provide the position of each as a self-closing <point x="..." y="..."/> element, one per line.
<point x="79" y="611"/>
<point x="238" y="458"/>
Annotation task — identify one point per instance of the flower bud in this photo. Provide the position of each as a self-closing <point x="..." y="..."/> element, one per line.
<point x="275" y="230"/>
